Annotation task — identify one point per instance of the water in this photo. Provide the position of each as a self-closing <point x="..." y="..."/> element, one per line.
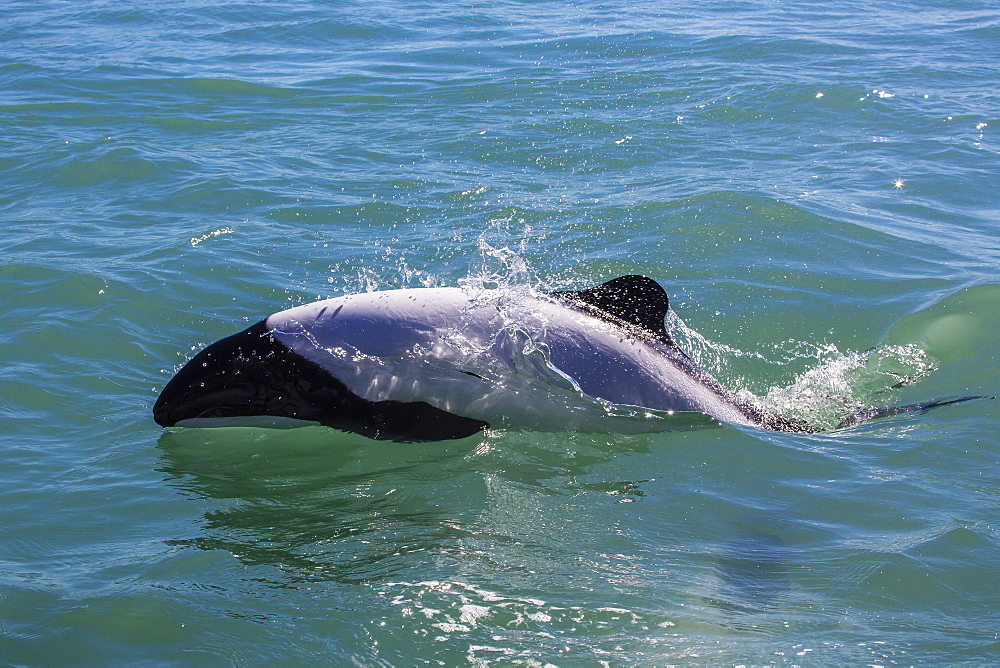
<point x="815" y="187"/>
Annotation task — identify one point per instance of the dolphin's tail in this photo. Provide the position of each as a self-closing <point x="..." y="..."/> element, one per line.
<point x="876" y="413"/>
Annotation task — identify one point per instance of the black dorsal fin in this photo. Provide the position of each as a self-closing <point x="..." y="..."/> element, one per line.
<point x="635" y="300"/>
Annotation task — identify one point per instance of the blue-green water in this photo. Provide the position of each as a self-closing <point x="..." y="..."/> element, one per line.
<point x="817" y="189"/>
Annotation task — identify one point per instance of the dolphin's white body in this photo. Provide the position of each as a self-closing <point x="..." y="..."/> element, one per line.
<point x="511" y="365"/>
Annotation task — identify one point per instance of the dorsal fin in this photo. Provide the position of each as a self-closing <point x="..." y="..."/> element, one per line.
<point x="636" y="300"/>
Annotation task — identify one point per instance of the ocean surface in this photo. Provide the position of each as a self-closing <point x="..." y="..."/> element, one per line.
<point x="816" y="186"/>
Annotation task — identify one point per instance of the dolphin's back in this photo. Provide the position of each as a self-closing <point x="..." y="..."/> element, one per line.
<point x="468" y="357"/>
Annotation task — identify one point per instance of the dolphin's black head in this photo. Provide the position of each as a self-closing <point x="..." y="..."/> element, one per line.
<point x="247" y="374"/>
<point x="252" y="374"/>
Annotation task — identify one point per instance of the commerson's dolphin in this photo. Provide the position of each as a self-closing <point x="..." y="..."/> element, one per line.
<point x="439" y="363"/>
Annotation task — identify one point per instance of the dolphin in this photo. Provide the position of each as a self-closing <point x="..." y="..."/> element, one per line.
<point x="444" y="363"/>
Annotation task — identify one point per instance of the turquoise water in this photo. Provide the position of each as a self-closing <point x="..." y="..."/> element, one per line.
<point x="815" y="187"/>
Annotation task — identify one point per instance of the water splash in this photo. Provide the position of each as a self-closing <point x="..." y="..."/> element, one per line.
<point x="500" y="266"/>
<point x="835" y="383"/>
<point x="846" y="383"/>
